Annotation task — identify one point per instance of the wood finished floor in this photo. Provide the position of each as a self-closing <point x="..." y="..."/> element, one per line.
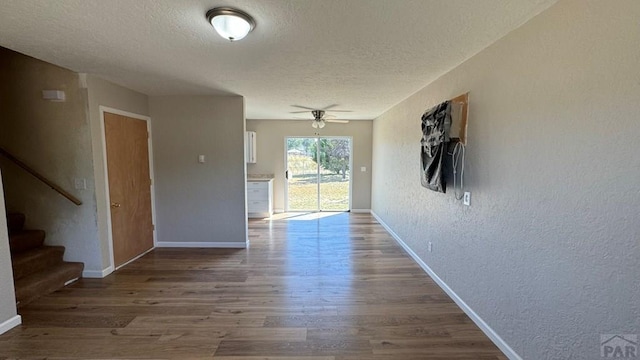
<point x="334" y="288"/>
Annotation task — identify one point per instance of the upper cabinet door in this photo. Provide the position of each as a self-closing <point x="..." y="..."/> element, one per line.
<point x="250" y="144"/>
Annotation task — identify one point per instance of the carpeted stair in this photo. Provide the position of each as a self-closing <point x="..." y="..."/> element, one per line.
<point x="37" y="269"/>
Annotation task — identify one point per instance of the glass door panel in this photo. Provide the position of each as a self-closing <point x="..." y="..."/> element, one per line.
<point x="335" y="173"/>
<point x="302" y="174"/>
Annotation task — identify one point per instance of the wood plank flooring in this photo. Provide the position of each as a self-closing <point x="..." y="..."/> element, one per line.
<point x="326" y="287"/>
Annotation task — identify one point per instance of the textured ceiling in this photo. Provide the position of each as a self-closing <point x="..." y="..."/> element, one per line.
<point x="365" y="56"/>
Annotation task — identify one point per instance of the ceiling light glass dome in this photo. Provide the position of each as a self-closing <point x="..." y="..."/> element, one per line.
<point x="231" y="24"/>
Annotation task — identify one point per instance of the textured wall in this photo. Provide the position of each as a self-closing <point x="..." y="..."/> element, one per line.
<point x="55" y="139"/>
<point x="547" y="253"/>
<point x="7" y="295"/>
<point x="270" y="139"/>
<point x="104" y="93"/>
<point x="199" y="202"/>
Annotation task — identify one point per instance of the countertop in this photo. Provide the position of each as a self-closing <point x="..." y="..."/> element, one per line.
<point x="260" y="177"/>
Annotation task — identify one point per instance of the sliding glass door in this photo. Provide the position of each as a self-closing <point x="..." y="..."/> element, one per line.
<point x="318" y="173"/>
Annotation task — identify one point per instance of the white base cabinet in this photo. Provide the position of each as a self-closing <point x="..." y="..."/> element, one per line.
<point x="259" y="198"/>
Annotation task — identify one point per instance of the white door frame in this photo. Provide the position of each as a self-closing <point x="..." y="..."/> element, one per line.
<point x="147" y="119"/>
<point x="318" y="137"/>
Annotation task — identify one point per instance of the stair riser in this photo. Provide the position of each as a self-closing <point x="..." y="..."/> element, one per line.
<point x="36" y="285"/>
<point x="36" y="260"/>
<point x="15" y="222"/>
<point x="26" y="240"/>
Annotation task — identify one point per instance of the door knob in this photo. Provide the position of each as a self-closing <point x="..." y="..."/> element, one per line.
<point x="115" y="205"/>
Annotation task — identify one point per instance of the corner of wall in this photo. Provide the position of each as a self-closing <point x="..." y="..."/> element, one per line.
<point x="9" y="317"/>
<point x="101" y="94"/>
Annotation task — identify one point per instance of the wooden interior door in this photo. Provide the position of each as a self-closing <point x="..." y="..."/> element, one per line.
<point x="129" y="186"/>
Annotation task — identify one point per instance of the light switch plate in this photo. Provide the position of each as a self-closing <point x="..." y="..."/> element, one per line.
<point x="363" y="168"/>
<point x="467" y="198"/>
<point x="80" y="183"/>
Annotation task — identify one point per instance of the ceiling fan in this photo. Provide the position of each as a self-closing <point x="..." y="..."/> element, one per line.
<point x="319" y="118"/>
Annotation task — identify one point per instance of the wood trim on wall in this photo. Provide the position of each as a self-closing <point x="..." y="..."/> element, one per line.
<point x="462" y="127"/>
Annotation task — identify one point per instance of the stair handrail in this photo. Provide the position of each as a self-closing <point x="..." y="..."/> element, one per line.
<point x="40" y="177"/>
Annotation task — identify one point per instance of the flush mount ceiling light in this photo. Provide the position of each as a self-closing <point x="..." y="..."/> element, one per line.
<point x="231" y="24"/>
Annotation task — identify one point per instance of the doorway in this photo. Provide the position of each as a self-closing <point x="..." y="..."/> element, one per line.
<point x="129" y="186"/>
<point x="318" y="173"/>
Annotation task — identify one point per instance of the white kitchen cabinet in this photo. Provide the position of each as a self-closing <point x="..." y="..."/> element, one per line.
<point x="259" y="198"/>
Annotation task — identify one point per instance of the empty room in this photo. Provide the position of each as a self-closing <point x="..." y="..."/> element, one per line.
<point x="319" y="179"/>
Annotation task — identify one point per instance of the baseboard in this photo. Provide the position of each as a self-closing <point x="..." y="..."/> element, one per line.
<point x="97" y="274"/>
<point x="10" y="324"/>
<point x="500" y="343"/>
<point x="177" y="244"/>
<point x="361" y="211"/>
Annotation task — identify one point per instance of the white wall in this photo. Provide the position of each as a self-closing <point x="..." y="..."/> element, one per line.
<point x="55" y="139"/>
<point x="8" y="315"/>
<point x="547" y="253"/>
<point x="104" y="93"/>
<point x="270" y="149"/>
<point x="197" y="203"/>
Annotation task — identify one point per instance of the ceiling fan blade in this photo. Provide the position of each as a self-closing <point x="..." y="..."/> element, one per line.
<point x="338" y="110"/>
<point x="337" y="121"/>
<point x="329" y="107"/>
<point x="298" y="112"/>
<point x="303" y="107"/>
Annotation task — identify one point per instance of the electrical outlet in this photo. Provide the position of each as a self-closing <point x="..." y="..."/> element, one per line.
<point x="430" y="246"/>
<point x="467" y="198"/>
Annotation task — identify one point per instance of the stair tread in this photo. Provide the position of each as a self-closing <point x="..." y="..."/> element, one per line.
<point x="31" y="261"/>
<point x="46" y="281"/>
<point x="34" y="253"/>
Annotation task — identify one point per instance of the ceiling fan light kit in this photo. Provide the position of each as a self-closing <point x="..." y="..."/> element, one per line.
<point x="232" y="24"/>
<point x="318" y="124"/>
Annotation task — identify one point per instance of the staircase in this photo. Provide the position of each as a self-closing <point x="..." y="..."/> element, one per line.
<point x="37" y="269"/>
